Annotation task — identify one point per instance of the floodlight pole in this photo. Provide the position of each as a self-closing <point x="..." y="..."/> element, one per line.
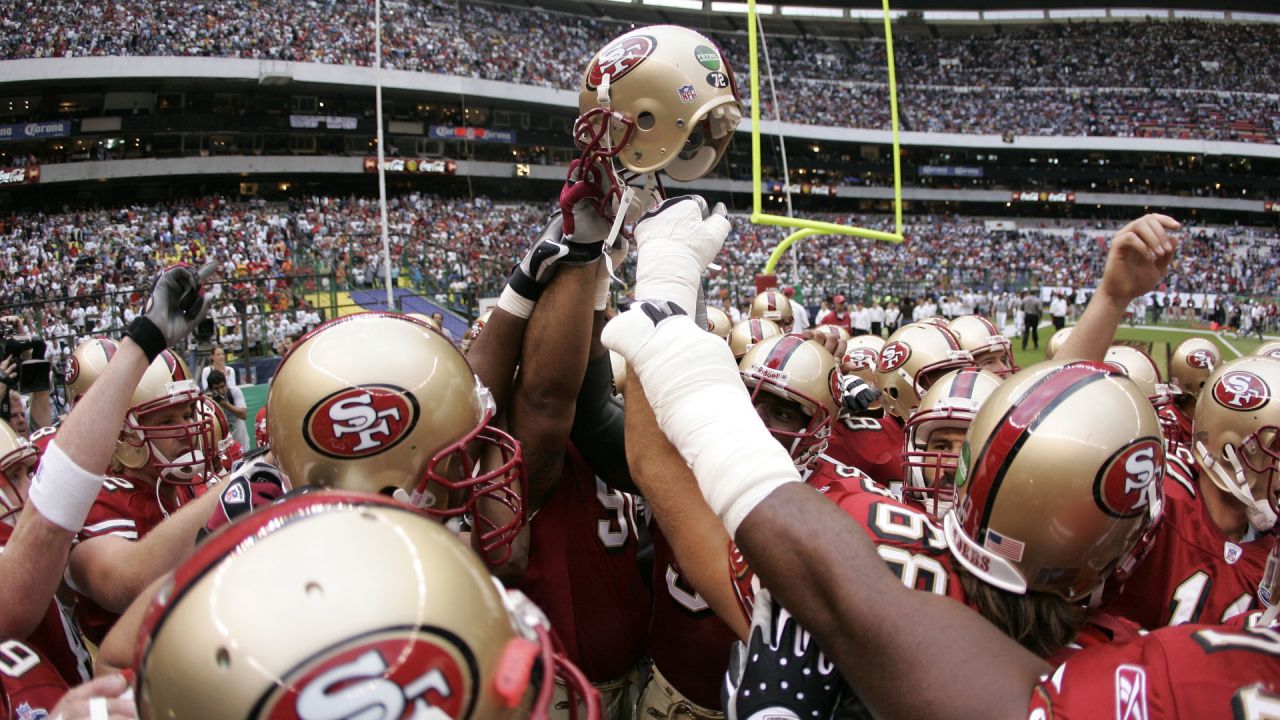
<point x="382" y="170"/>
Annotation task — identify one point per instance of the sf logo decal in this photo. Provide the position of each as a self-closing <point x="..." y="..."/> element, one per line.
<point x="361" y="421"/>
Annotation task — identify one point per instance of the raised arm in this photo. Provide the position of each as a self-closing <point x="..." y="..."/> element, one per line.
<point x="1137" y="260"/>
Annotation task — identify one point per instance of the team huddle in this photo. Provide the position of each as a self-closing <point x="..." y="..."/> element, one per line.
<point x="651" y="513"/>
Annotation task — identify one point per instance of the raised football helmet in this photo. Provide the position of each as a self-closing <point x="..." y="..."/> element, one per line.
<point x="1193" y="360"/>
<point x="773" y="305"/>
<point x="950" y="404"/>
<point x="1142" y="370"/>
<point x="749" y="333"/>
<point x="1236" y="434"/>
<point x="18" y="459"/>
<point x="377" y="608"/>
<point x="802" y="371"/>
<point x="990" y="350"/>
<point x="661" y="97"/>
<point x="718" y="322"/>
<point x="84" y="366"/>
<point x="1057" y="482"/>
<point x="861" y="356"/>
<point x="1268" y="349"/>
<point x="1056" y="341"/>
<point x="165" y="386"/>
<point x="913" y="358"/>
<point x="346" y="411"/>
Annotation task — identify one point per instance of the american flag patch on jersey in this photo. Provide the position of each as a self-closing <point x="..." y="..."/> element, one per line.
<point x="1005" y="547"/>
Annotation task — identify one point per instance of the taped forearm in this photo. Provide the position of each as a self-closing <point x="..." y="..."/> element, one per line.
<point x="62" y="491"/>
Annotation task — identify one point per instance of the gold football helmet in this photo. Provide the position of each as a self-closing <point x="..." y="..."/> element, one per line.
<point x="661" y="97"/>
<point x="861" y="356"/>
<point x="1194" y="359"/>
<point x="1046" y="502"/>
<point x="474" y="331"/>
<point x="749" y="333"/>
<point x="331" y="604"/>
<point x="1142" y="370"/>
<point x="990" y="350"/>
<point x="1268" y="349"/>
<point x="718" y="322"/>
<point x="803" y="372"/>
<point x="913" y="358"/>
<point x="423" y="317"/>
<point x="836" y="331"/>
<point x="930" y="465"/>
<point x="18" y="459"/>
<point x="1056" y="341"/>
<point x="86" y="364"/>
<point x="1236" y="434"/>
<point x="773" y="305"/>
<point x="346" y="411"/>
<point x="166" y="385"/>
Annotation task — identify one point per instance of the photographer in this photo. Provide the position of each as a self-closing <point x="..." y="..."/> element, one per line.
<point x="231" y="400"/>
<point x="24" y="372"/>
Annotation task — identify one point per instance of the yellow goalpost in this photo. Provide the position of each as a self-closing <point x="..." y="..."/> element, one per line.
<point x="806" y="228"/>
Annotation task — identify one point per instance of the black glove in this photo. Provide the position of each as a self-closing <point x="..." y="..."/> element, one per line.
<point x="856" y="395"/>
<point x="781" y="673"/>
<point x="175" y="306"/>
<point x="251" y="486"/>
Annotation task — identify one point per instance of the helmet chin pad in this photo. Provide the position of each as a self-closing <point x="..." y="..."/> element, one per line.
<point x="698" y="163"/>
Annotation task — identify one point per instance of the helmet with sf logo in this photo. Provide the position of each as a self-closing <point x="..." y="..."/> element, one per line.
<point x="1193" y="361"/>
<point x="916" y="356"/>
<point x="1048" y="502"/>
<point x="803" y="372"/>
<point x="346" y="411"/>
<point x="337" y="604"/>
<point x="1236" y="434"/>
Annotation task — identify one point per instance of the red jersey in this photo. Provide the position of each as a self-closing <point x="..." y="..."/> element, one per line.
<point x="831" y="317"/>
<point x="1191" y="672"/>
<point x="42" y="437"/>
<point x="31" y="685"/>
<point x="57" y="637"/>
<point x="687" y="641"/>
<point x="125" y="508"/>
<point x="873" y="445"/>
<point x="906" y="538"/>
<point x="583" y="572"/>
<point x="1176" y="424"/>
<point x="1193" y="572"/>
<point x="1101" y="629"/>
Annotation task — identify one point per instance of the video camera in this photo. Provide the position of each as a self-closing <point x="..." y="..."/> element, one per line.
<point x="33" y="373"/>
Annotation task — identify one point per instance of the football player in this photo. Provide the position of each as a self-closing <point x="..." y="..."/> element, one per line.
<point x="749" y="333"/>
<point x="773" y="305"/>
<point x="1193" y="360"/>
<point x="991" y="350"/>
<point x="870" y="440"/>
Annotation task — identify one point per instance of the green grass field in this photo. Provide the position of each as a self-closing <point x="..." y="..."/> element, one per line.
<point x="1160" y="343"/>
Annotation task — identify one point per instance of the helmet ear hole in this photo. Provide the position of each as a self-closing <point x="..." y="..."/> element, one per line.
<point x="646" y="120"/>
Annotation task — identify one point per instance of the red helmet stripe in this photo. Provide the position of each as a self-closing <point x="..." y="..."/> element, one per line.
<point x="783" y="351"/>
<point x="950" y="336"/>
<point x="109" y="347"/>
<point x="755" y="330"/>
<point x="965" y="382"/>
<point x="1013" y="431"/>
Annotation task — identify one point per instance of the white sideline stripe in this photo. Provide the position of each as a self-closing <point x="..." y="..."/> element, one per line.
<point x="1194" y="331"/>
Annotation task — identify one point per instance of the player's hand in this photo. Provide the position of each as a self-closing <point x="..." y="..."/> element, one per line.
<point x="856" y="395"/>
<point x="829" y="338"/>
<point x="1139" y="257"/>
<point x="176" y="305"/>
<point x="676" y="241"/>
<point x="103" y="698"/>
<point x="9" y="372"/>
<point x="251" y="486"/>
<point x="781" y="673"/>
<point x="581" y="199"/>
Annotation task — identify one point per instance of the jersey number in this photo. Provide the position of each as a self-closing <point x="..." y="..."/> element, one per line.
<point x="1250" y="703"/>
<point x="682" y="593"/>
<point x="1191" y="595"/>
<point x="614" y="529"/>
<point x="16" y="659"/>
<point x="916" y="571"/>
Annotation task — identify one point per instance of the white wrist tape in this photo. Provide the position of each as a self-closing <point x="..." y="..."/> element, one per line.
<point x="514" y="303"/>
<point x="603" y="282"/>
<point x="62" y="491"/>
<point x="705" y="411"/>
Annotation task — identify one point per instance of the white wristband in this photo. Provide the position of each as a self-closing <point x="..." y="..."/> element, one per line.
<point x="704" y="409"/>
<point x="62" y="491"/>
<point x="514" y="303"/>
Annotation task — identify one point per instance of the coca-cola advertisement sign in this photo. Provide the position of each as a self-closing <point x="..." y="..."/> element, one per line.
<point x="18" y="176"/>
<point x="416" y="166"/>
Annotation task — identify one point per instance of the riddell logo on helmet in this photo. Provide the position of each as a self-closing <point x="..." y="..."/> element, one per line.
<point x="893" y="355"/>
<point x="360" y="421"/>
<point x="620" y="58"/>
<point x="399" y="672"/>
<point x="1120" y="488"/>
<point x="1202" y="359"/>
<point x="1241" y="390"/>
<point x="861" y="359"/>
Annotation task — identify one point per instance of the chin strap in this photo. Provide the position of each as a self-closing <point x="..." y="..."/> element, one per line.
<point x="1261" y="516"/>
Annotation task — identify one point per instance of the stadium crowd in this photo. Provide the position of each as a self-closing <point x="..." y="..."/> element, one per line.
<point x="1181" y="79"/>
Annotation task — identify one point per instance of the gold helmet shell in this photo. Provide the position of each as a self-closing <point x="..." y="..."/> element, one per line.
<point x="912" y="359"/>
<point x="1236" y="434"/>
<point x="718" y="322"/>
<point x="1142" y="370"/>
<point x="661" y="97"/>
<point x="1193" y="360"/>
<point x="167" y="383"/>
<point x="749" y="333"/>
<point x="773" y="305"/>
<point x="474" y="331"/>
<point x="380" y="402"/>
<point x="1268" y="349"/>
<point x="15" y="451"/>
<point x="1058" y="481"/>
<point x="341" y="601"/>
<point x="983" y="340"/>
<point x="86" y="365"/>
<point x="802" y="371"/>
<point x="861" y="356"/>
<point x="1056" y="341"/>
